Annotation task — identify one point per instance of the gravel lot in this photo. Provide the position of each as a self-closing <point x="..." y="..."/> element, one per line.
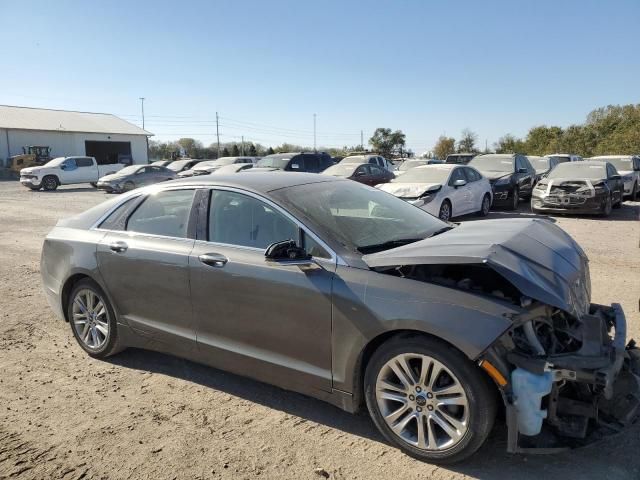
<point x="147" y="415"/>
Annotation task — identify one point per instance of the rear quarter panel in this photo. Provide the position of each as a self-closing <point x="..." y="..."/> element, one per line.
<point x="67" y="252"/>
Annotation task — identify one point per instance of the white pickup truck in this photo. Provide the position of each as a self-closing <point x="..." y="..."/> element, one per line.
<point x="66" y="171"/>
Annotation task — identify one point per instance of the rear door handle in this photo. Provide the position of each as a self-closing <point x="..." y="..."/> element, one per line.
<point x="213" y="259"/>
<point x="119" y="246"/>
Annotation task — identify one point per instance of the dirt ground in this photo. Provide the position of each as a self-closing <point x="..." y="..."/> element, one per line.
<point x="146" y="415"/>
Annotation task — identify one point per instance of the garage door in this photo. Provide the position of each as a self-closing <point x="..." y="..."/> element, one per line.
<point x="108" y="152"/>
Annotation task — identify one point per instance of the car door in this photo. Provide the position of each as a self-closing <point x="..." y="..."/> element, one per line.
<point x="525" y="176"/>
<point x="255" y="317"/>
<point x="70" y="171"/>
<point x="476" y="188"/>
<point x="311" y="163"/>
<point x="87" y="170"/>
<point x="144" y="261"/>
<point x="460" y="197"/>
<point x="616" y="184"/>
<point x="377" y="175"/>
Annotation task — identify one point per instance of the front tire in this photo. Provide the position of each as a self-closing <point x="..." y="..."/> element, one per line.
<point x="444" y="213"/>
<point x="92" y="319"/>
<point x="607" y="206"/>
<point x="485" y="206"/>
<point x="50" y="183"/>
<point x="515" y="199"/>
<point x="428" y="399"/>
<point x="128" y="186"/>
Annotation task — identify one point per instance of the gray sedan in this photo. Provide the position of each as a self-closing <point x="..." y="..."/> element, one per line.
<point x="135" y="176"/>
<point x="342" y="292"/>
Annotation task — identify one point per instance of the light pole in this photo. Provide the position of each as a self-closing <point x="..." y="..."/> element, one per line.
<point x="142" y="107"/>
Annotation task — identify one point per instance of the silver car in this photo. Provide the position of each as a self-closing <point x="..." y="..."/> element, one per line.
<point x="348" y="294"/>
<point x="135" y="176"/>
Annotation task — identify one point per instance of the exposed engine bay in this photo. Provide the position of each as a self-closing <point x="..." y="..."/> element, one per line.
<point x="568" y="381"/>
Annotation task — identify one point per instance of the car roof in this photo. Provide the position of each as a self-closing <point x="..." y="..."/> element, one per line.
<point x="603" y="157"/>
<point x="260" y="182"/>
<point x="497" y="155"/>
<point x="585" y="162"/>
<point x="442" y="166"/>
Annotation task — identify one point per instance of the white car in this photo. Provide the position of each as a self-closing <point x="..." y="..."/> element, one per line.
<point x="66" y="171"/>
<point x="233" y="168"/>
<point x="373" y="159"/>
<point x="628" y="167"/>
<point x="565" y="157"/>
<point x="208" y="166"/>
<point x="445" y="190"/>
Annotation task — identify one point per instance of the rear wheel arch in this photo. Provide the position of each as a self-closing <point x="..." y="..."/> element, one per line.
<point x="67" y="288"/>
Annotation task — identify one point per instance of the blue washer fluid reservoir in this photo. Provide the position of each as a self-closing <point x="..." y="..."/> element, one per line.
<point x="529" y="389"/>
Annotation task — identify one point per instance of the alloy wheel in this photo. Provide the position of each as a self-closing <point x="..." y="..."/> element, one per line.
<point x="486" y="205"/>
<point x="422" y="402"/>
<point x="90" y="319"/>
<point x="445" y="211"/>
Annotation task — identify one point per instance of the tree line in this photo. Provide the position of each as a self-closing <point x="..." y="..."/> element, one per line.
<point x="384" y="141"/>
<point x="614" y="129"/>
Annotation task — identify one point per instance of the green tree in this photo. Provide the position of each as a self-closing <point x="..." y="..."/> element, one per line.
<point x="468" y="141"/>
<point x="225" y="152"/>
<point x="253" y="152"/>
<point x="509" y="144"/>
<point x="270" y="151"/>
<point x="543" y="140"/>
<point x="190" y="145"/>
<point x="386" y="142"/>
<point x="235" y="151"/>
<point x="444" y="146"/>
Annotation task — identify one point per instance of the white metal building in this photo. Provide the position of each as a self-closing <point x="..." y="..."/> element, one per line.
<point x="100" y="135"/>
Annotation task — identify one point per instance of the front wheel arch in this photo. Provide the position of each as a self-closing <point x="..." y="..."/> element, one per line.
<point x="375" y="343"/>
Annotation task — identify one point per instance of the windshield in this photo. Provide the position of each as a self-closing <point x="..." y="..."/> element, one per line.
<point x="279" y="161"/>
<point x="561" y="158"/>
<point x="341" y="170"/>
<point x="579" y="170"/>
<point x="424" y="175"/>
<point x="128" y="170"/>
<point x="458" y="158"/>
<point x="540" y="164"/>
<point x="55" y="162"/>
<point x="493" y="163"/>
<point x="361" y="218"/>
<point x="621" y="163"/>
<point x="407" y="164"/>
<point x="177" y="165"/>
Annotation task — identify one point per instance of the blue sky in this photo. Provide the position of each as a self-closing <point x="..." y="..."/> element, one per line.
<point x="426" y="68"/>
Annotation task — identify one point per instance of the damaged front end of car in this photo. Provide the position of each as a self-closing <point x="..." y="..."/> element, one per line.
<point x="568" y="381"/>
<point x="564" y="369"/>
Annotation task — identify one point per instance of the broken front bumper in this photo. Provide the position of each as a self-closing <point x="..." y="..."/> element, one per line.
<point x="573" y="400"/>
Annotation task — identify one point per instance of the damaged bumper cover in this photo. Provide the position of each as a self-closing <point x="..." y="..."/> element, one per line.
<point x="555" y="402"/>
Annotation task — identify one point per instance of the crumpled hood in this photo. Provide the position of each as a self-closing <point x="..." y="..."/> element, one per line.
<point x="494" y="175"/>
<point x="536" y="256"/>
<point x="406" y="190"/>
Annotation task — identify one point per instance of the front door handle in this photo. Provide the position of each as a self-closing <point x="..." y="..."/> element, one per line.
<point x="118" y="247"/>
<point x="213" y="259"/>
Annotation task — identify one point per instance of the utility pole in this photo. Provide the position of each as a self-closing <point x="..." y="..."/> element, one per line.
<point x="361" y="140"/>
<point x="142" y="106"/>
<point x="314" y="133"/>
<point x="218" y="133"/>
<point x="242" y="145"/>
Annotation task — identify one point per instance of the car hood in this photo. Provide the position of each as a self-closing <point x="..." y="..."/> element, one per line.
<point x="265" y="169"/>
<point x="30" y="170"/>
<point x="625" y="172"/>
<point x="540" y="259"/>
<point x="113" y="177"/>
<point x="407" y="190"/>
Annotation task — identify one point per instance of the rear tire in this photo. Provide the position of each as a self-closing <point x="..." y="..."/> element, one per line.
<point x="128" y="186"/>
<point x="92" y="319"/>
<point x="50" y="183"/>
<point x="445" y="211"/>
<point x="410" y="412"/>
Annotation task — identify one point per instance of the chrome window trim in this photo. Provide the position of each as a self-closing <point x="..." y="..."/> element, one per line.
<point x="335" y="258"/>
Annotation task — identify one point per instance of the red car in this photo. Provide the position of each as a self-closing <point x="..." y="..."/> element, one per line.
<point x="366" y="173"/>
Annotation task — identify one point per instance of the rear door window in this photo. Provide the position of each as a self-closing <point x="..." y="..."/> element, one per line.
<point x="84" y="162"/>
<point x="311" y="163"/>
<point x="163" y="213"/>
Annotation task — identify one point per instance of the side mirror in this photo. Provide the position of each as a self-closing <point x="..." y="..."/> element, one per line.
<point x="523" y="170"/>
<point x="459" y="183"/>
<point x="286" y="250"/>
<point x="63" y="166"/>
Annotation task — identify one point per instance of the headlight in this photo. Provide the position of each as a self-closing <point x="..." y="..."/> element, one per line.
<point x="503" y="181"/>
